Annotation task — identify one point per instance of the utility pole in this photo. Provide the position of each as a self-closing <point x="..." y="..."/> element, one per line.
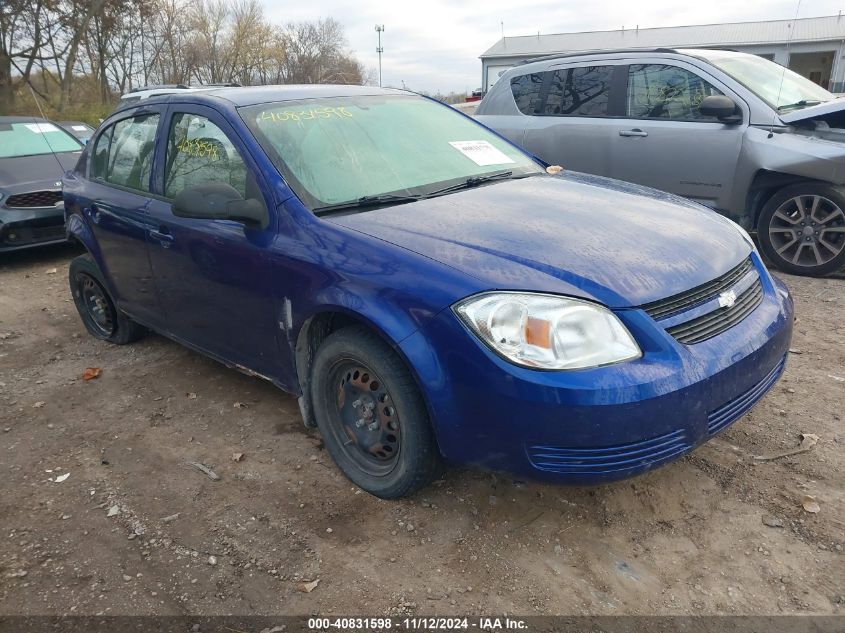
<point x="379" y="50"/>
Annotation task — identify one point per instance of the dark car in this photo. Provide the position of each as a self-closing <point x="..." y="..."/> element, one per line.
<point x="82" y="131"/>
<point x="34" y="153"/>
<point x="430" y="291"/>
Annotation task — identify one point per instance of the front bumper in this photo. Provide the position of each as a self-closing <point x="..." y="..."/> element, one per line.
<point x="597" y="425"/>
<point x="28" y="228"/>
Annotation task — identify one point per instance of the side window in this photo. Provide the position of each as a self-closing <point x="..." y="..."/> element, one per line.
<point x="581" y="91"/>
<point x="526" y="92"/>
<point x="124" y="152"/>
<point x="131" y="152"/>
<point x="656" y="91"/>
<point x="197" y="152"/>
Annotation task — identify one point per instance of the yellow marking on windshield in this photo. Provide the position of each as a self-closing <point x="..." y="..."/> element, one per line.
<point x="310" y="114"/>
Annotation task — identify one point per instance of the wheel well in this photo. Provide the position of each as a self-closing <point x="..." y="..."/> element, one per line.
<point x="765" y="184"/>
<point x="312" y="334"/>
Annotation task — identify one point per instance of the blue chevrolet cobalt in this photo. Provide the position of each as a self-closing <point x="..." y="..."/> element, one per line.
<point x="430" y="292"/>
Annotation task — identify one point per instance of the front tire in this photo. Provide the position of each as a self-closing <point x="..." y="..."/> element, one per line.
<point x="801" y="229"/>
<point x="96" y="307"/>
<point x="371" y="415"/>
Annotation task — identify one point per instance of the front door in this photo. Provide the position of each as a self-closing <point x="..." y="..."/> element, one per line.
<point x="213" y="276"/>
<point x="663" y="141"/>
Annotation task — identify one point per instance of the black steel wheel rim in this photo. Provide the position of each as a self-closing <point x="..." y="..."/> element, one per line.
<point x="96" y="304"/>
<point x="364" y="419"/>
<point x="808" y="230"/>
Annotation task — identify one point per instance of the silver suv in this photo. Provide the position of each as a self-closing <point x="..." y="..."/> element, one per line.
<point x="733" y="131"/>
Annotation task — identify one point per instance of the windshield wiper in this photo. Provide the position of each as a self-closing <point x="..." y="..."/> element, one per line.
<point x="800" y="104"/>
<point x="472" y="181"/>
<point x="364" y="202"/>
<point x="391" y="198"/>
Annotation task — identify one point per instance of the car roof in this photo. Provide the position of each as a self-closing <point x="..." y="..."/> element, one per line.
<point x="142" y="93"/>
<point x="253" y="95"/>
<point x="702" y="53"/>
<point x="540" y="64"/>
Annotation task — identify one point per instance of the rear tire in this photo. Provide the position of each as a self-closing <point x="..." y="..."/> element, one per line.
<point x="96" y="307"/>
<point x="371" y="415"/>
<point x="801" y="229"/>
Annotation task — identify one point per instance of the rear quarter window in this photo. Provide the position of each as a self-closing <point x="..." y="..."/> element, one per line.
<point x="526" y="92"/>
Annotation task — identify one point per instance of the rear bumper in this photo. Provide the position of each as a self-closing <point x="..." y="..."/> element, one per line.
<point x="28" y="228"/>
<point x="597" y="425"/>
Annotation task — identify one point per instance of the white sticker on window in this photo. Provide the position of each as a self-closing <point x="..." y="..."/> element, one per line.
<point x="41" y="128"/>
<point x="481" y="152"/>
<point x="78" y="128"/>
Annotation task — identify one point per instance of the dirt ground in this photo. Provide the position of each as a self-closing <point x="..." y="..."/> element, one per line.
<point x="690" y="538"/>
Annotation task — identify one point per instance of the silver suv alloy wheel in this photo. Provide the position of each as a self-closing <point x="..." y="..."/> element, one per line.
<point x="808" y="230"/>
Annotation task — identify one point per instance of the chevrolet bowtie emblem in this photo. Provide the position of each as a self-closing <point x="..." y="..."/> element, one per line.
<point x="727" y="299"/>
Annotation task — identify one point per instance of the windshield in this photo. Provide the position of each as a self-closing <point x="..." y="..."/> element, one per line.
<point x="28" y="139"/>
<point x="778" y="86"/>
<point x="338" y="150"/>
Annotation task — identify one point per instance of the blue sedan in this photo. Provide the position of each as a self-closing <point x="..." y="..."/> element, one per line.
<point x="430" y="292"/>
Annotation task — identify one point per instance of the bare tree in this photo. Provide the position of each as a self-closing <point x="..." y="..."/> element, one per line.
<point x="27" y="39"/>
<point x="77" y="52"/>
<point x="78" y="18"/>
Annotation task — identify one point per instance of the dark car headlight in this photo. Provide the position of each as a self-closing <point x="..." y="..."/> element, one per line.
<point x="548" y="331"/>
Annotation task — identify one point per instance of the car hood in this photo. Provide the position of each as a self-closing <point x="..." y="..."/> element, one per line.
<point x="33" y="173"/>
<point x="814" y="112"/>
<point x="618" y="243"/>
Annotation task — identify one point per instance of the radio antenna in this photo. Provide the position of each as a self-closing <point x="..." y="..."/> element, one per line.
<point x="41" y="129"/>
<point x="783" y="74"/>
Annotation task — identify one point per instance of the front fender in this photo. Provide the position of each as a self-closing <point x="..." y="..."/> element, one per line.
<point x="783" y="152"/>
<point x="344" y="277"/>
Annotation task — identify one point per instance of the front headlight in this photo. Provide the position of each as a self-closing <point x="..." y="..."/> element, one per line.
<point x="547" y="331"/>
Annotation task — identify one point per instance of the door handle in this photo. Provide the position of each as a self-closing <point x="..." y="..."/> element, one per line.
<point x="94" y="212"/>
<point x="634" y="132"/>
<point x="162" y="235"/>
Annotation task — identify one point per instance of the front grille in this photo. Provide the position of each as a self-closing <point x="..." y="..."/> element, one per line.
<point x="720" y="418"/>
<point x="609" y="459"/>
<point x="34" y="199"/>
<point x="700" y="294"/>
<point x="716" y="322"/>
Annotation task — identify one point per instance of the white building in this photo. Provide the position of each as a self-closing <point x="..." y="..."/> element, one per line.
<point x="813" y="47"/>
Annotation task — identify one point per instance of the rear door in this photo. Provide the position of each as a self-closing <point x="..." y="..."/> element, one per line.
<point x="572" y="126"/>
<point x="663" y="141"/>
<point x="115" y="201"/>
<point x="213" y="276"/>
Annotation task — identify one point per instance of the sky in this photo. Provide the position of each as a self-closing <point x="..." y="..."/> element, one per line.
<point x="434" y="45"/>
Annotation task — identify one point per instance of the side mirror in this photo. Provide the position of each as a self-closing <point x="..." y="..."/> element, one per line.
<point x="720" y="107"/>
<point x="219" y="201"/>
